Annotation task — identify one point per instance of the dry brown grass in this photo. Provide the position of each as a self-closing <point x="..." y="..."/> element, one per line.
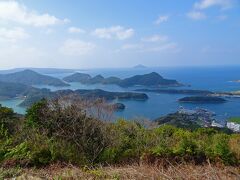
<point x="180" y="171"/>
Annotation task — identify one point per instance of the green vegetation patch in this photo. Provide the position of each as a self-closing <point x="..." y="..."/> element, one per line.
<point x="55" y="131"/>
<point x="235" y="120"/>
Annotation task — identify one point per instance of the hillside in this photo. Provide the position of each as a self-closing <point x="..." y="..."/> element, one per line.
<point x="12" y="90"/>
<point x="29" y="77"/>
<point x="180" y="120"/>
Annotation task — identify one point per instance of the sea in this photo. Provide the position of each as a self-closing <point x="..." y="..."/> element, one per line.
<point x="201" y="78"/>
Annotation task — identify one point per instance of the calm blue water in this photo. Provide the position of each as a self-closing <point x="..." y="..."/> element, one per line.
<point x="207" y="78"/>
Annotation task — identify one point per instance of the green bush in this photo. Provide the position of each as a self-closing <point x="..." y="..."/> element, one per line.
<point x="128" y="141"/>
<point x="19" y="152"/>
<point x="220" y="149"/>
<point x="67" y="133"/>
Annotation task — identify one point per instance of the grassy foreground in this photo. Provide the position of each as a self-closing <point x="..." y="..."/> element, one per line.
<point x="143" y="171"/>
<point x="57" y="133"/>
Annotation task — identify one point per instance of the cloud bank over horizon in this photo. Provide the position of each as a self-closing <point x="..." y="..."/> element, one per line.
<point x="117" y="34"/>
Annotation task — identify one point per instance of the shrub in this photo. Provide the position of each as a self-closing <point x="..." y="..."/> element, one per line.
<point x="234" y="144"/>
<point x="220" y="150"/>
<point x="128" y="142"/>
<point x="69" y="124"/>
<point x="67" y="131"/>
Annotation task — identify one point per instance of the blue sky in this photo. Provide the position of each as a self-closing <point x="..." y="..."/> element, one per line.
<point x="97" y="34"/>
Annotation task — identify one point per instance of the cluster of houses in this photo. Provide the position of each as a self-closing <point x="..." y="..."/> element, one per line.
<point x="208" y="119"/>
<point x="233" y="126"/>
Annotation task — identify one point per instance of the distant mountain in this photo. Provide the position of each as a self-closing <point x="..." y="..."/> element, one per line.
<point x="96" y="79"/>
<point x="78" y="77"/>
<point x="29" y="77"/>
<point x="140" y="66"/>
<point x="39" y="70"/>
<point x="151" y="79"/>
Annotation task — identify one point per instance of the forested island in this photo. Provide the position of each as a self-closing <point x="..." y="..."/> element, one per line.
<point x="202" y="99"/>
<point x="177" y="91"/>
<point x="35" y="96"/>
<point x="151" y="80"/>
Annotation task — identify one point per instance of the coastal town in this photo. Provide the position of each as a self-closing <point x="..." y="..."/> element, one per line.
<point x="208" y="119"/>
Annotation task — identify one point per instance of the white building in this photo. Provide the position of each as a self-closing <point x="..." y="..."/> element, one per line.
<point x="233" y="126"/>
<point x="215" y="124"/>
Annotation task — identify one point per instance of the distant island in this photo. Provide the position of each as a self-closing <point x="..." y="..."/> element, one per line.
<point x="39" y="94"/>
<point x="29" y="77"/>
<point x="177" y="91"/>
<point x="87" y="79"/>
<point x="140" y="66"/>
<point x="202" y="99"/>
<point x="233" y="94"/>
<point x="152" y="80"/>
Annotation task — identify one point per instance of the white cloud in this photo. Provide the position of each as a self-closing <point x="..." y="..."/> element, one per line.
<point x="204" y="4"/>
<point x="12" y="11"/>
<point x="13" y="35"/>
<point x="196" y="15"/>
<point x="114" y="32"/>
<point x="73" y="47"/>
<point x="75" y="30"/>
<point x="155" y="38"/>
<point x="161" y="19"/>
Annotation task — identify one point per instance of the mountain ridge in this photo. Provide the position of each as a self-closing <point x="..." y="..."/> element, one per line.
<point x="150" y="79"/>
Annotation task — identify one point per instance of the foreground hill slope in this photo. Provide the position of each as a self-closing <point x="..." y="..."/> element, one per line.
<point x="29" y="77"/>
